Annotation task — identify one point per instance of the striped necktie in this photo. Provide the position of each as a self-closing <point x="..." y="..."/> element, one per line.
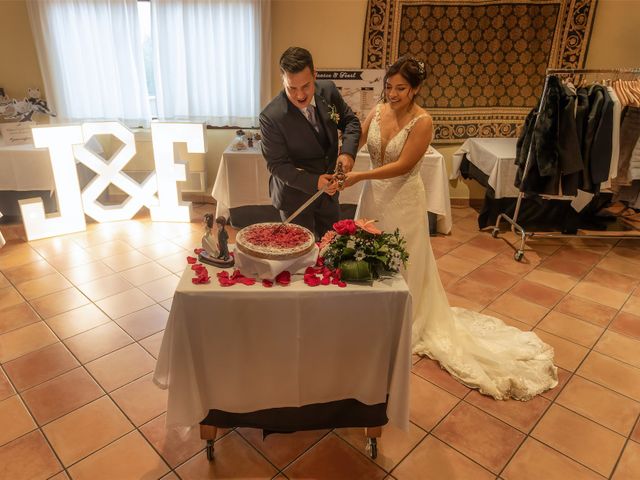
<point x="310" y="113"/>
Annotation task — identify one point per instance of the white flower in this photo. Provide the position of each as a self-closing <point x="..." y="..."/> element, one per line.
<point x="359" y="255"/>
<point x="351" y="244"/>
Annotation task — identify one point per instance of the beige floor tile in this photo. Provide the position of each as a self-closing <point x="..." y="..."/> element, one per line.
<point x="521" y="415"/>
<point x="86" y="430"/>
<point x="121" y="367"/>
<point x="563" y="378"/>
<point x="17" y="316"/>
<point x="166" y="304"/>
<point x="77" y="321"/>
<point x="15" y="419"/>
<point x="518" y="308"/>
<point x="39" y="287"/>
<point x="110" y="249"/>
<point x="61" y="395"/>
<point x="144" y="322"/>
<point x="627" y="324"/>
<point x="39" y="366"/>
<point x="125" y="260"/>
<point x="128" y="457"/>
<point x="555" y="280"/>
<point x="621" y="266"/>
<point x="29" y="456"/>
<point x="444" y="243"/>
<point x="629" y="466"/>
<point x="174" y="448"/>
<point x="479" y="293"/>
<point x="632" y="305"/>
<point x="614" y="281"/>
<point x="6" y="389"/>
<point x="434" y="460"/>
<point x="635" y="435"/>
<point x="393" y="445"/>
<point x="282" y="449"/>
<point x="97" y="342"/>
<point x="534" y="461"/>
<point x="625" y="254"/>
<point x="9" y="297"/>
<point x="175" y="263"/>
<point x="86" y="273"/>
<point x="104" y="287"/>
<point x="18" y="256"/>
<point x="456" y="265"/>
<point x="570" y="328"/>
<point x="55" y="246"/>
<point x="487" y="242"/>
<point x="122" y="304"/>
<point x="469" y="430"/>
<point x="473" y="254"/>
<point x="25" y="340"/>
<point x="586" y="310"/>
<point x="598" y="293"/>
<point x="152" y="344"/>
<point x="233" y="458"/>
<point x="579" y="254"/>
<point x="506" y="263"/>
<point x="535" y="293"/>
<point x="567" y="267"/>
<point x="600" y="404"/>
<point x="29" y="271"/>
<point x="161" y="249"/>
<point x="162" y="288"/>
<point x="431" y="370"/>
<point x="428" y="404"/>
<point x="620" y="347"/>
<point x="144" y="273"/>
<point x="579" y="438"/>
<point x="333" y="458"/>
<point x="567" y="355"/>
<point x="141" y="400"/>
<point x="59" y="302"/>
<point x="69" y="260"/>
<point x="611" y="373"/>
<point x="462" y="302"/>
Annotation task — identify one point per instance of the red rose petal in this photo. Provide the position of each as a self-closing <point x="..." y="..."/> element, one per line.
<point x="191" y="260"/>
<point x="325" y="281"/>
<point x="342" y="284"/>
<point x="267" y="283"/>
<point x="198" y="251"/>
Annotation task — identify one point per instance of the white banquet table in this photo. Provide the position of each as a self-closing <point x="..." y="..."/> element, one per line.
<point x="243" y="180"/>
<point x="247" y="348"/>
<point x="495" y="157"/>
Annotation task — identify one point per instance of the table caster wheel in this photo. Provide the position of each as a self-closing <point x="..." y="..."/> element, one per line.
<point x="372" y="448"/>
<point x="209" y="450"/>
<point x="495" y="233"/>
<point x="518" y="255"/>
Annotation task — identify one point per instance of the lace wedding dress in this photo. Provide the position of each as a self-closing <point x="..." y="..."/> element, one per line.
<point x="480" y="351"/>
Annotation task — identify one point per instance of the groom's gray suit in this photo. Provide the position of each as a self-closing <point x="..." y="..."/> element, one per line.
<point x="297" y="155"/>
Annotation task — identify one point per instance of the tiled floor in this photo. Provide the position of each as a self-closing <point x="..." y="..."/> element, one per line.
<point x="81" y="321"/>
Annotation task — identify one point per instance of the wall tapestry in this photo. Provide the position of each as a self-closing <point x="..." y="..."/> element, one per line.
<point x="486" y="59"/>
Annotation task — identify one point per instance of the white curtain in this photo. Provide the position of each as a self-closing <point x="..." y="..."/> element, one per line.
<point x="90" y="54"/>
<point x="211" y="60"/>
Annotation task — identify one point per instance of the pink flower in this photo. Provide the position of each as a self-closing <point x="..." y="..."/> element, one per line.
<point x="326" y="239"/>
<point x="367" y="226"/>
<point x="345" y="227"/>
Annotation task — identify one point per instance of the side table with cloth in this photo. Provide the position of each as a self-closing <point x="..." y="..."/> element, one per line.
<point x="243" y="180"/>
<point x="491" y="162"/>
<point x="244" y="349"/>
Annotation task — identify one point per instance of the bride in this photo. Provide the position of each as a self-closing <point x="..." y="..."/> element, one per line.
<point x="480" y="351"/>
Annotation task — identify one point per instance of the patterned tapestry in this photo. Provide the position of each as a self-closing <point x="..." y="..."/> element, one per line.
<point x="486" y="59"/>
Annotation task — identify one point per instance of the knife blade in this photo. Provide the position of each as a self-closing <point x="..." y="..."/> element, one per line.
<point x="305" y="204"/>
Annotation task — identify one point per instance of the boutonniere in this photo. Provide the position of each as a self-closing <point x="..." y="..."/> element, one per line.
<point x="333" y="114"/>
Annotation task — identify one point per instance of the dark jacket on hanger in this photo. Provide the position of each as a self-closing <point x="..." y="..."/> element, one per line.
<point x="602" y="144"/>
<point x="553" y="140"/>
<point x="596" y="102"/>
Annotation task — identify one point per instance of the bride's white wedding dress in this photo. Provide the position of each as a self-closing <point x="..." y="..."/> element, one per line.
<point x="480" y="351"/>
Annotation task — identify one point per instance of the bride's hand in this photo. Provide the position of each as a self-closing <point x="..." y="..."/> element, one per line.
<point x="350" y="179"/>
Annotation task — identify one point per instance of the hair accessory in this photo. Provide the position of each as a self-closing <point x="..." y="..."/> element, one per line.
<point x="421" y="68"/>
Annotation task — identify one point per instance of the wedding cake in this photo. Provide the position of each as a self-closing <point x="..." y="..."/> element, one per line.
<point x="275" y="241"/>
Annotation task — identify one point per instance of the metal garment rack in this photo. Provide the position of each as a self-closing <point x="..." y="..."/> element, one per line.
<point x="518" y="229"/>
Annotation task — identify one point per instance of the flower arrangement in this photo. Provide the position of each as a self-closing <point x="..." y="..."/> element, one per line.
<point x="361" y="251"/>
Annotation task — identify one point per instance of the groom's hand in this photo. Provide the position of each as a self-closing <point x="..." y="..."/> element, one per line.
<point x="346" y="161"/>
<point x="330" y="183"/>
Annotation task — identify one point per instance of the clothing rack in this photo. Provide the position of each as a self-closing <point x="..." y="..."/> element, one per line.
<point x="518" y="229"/>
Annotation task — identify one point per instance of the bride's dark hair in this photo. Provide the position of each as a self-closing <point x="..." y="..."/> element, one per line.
<point x="411" y="69"/>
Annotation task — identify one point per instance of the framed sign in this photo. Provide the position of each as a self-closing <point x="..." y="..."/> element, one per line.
<point x="360" y="88"/>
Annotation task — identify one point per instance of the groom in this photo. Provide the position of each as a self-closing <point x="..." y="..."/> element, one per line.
<point x="299" y="131"/>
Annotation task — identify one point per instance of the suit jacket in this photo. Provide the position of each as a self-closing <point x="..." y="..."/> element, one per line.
<point x="296" y="154"/>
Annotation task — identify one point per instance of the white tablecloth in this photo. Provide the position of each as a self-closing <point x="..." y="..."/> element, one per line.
<point x="25" y="168"/>
<point x="241" y="349"/>
<point x="243" y="180"/>
<point x="493" y="156"/>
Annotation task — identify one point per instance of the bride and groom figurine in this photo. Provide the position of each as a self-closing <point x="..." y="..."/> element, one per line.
<point x="215" y="251"/>
<point x="479" y="351"/>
